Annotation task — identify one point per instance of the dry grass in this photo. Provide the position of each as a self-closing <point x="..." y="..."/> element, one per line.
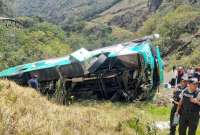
<point x="121" y="8"/>
<point x="23" y="111"/>
<point x="122" y="34"/>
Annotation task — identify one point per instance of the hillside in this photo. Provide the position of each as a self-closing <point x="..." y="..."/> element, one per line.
<point x="54" y="28"/>
<point x="62" y="10"/>
<point x="122" y="13"/>
<point x="39" y="39"/>
<point x="93" y="24"/>
<point x="126" y="14"/>
<point x="179" y="29"/>
<point x="6" y="8"/>
<point x="25" y="45"/>
<point x="23" y="111"/>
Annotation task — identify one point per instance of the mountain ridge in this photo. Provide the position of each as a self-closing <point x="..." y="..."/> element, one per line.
<point x="93" y="24"/>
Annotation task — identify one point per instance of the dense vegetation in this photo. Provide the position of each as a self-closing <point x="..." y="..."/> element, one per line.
<point x="177" y="29"/>
<point x="6" y="7"/>
<point x="93" y="25"/>
<point x="62" y="10"/>
<point x="41" y="40"/>
<point x="19" y="46"/>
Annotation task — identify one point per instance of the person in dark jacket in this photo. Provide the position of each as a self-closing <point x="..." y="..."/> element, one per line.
<point x="189" y="108"/>
<point x="197" y="75"/>
<point x="173" y="81"/>
<point x="33" y="82"/>
<point x="180" y="73"/>
<point x="176" y="98"/>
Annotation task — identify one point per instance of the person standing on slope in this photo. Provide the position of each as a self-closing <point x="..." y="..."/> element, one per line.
<point x="176" y="98"/>
<point x="173" y="81"/>
<point x="33" y="82"/>
<point x="189" y="108"/>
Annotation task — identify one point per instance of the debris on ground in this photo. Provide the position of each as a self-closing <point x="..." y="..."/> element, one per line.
<point x="162" y="125"/>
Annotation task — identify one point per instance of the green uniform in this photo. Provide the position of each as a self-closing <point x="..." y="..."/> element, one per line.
<point x="189" y="117"/>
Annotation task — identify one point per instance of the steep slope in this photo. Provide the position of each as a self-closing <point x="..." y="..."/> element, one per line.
<point x="112" y="21"/>
<point x="6" y="8"/>
<point x="131" y="14"/>
<point x="62" y="10"/>
<point x="41" y="41"/>
<point x="179" y="29"/>
<point x="127" y="14"/>
<point x="24" y="111"/>
<point x="123" y="13"/>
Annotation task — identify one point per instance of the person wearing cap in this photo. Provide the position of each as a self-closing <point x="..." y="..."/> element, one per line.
<point x="33" y="82"/>
<point x="197" y="75"/>
<point x="174" y="73"/>
<point x="190" y="72"/>
<point x="180" y="74"/>
<point x="176" y="98"/>
<point x="188" y="108"/>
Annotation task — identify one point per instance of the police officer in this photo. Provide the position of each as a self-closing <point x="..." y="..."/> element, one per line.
<point x="188" y="108"/>
<point x="176" y="98"/>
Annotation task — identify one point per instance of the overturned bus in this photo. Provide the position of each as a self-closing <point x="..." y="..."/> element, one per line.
<point x="127" y="71"/>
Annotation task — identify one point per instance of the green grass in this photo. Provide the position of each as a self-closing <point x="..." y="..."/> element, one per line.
<point x="160" y="112"/>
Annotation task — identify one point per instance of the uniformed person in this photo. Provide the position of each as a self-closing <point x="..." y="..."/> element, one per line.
<point x="176" y="98"/>
<point x="188" y="108"/>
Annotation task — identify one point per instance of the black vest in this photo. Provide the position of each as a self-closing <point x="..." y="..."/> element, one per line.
<point x="188" y="106"/>
<point x="176" y="95"/>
